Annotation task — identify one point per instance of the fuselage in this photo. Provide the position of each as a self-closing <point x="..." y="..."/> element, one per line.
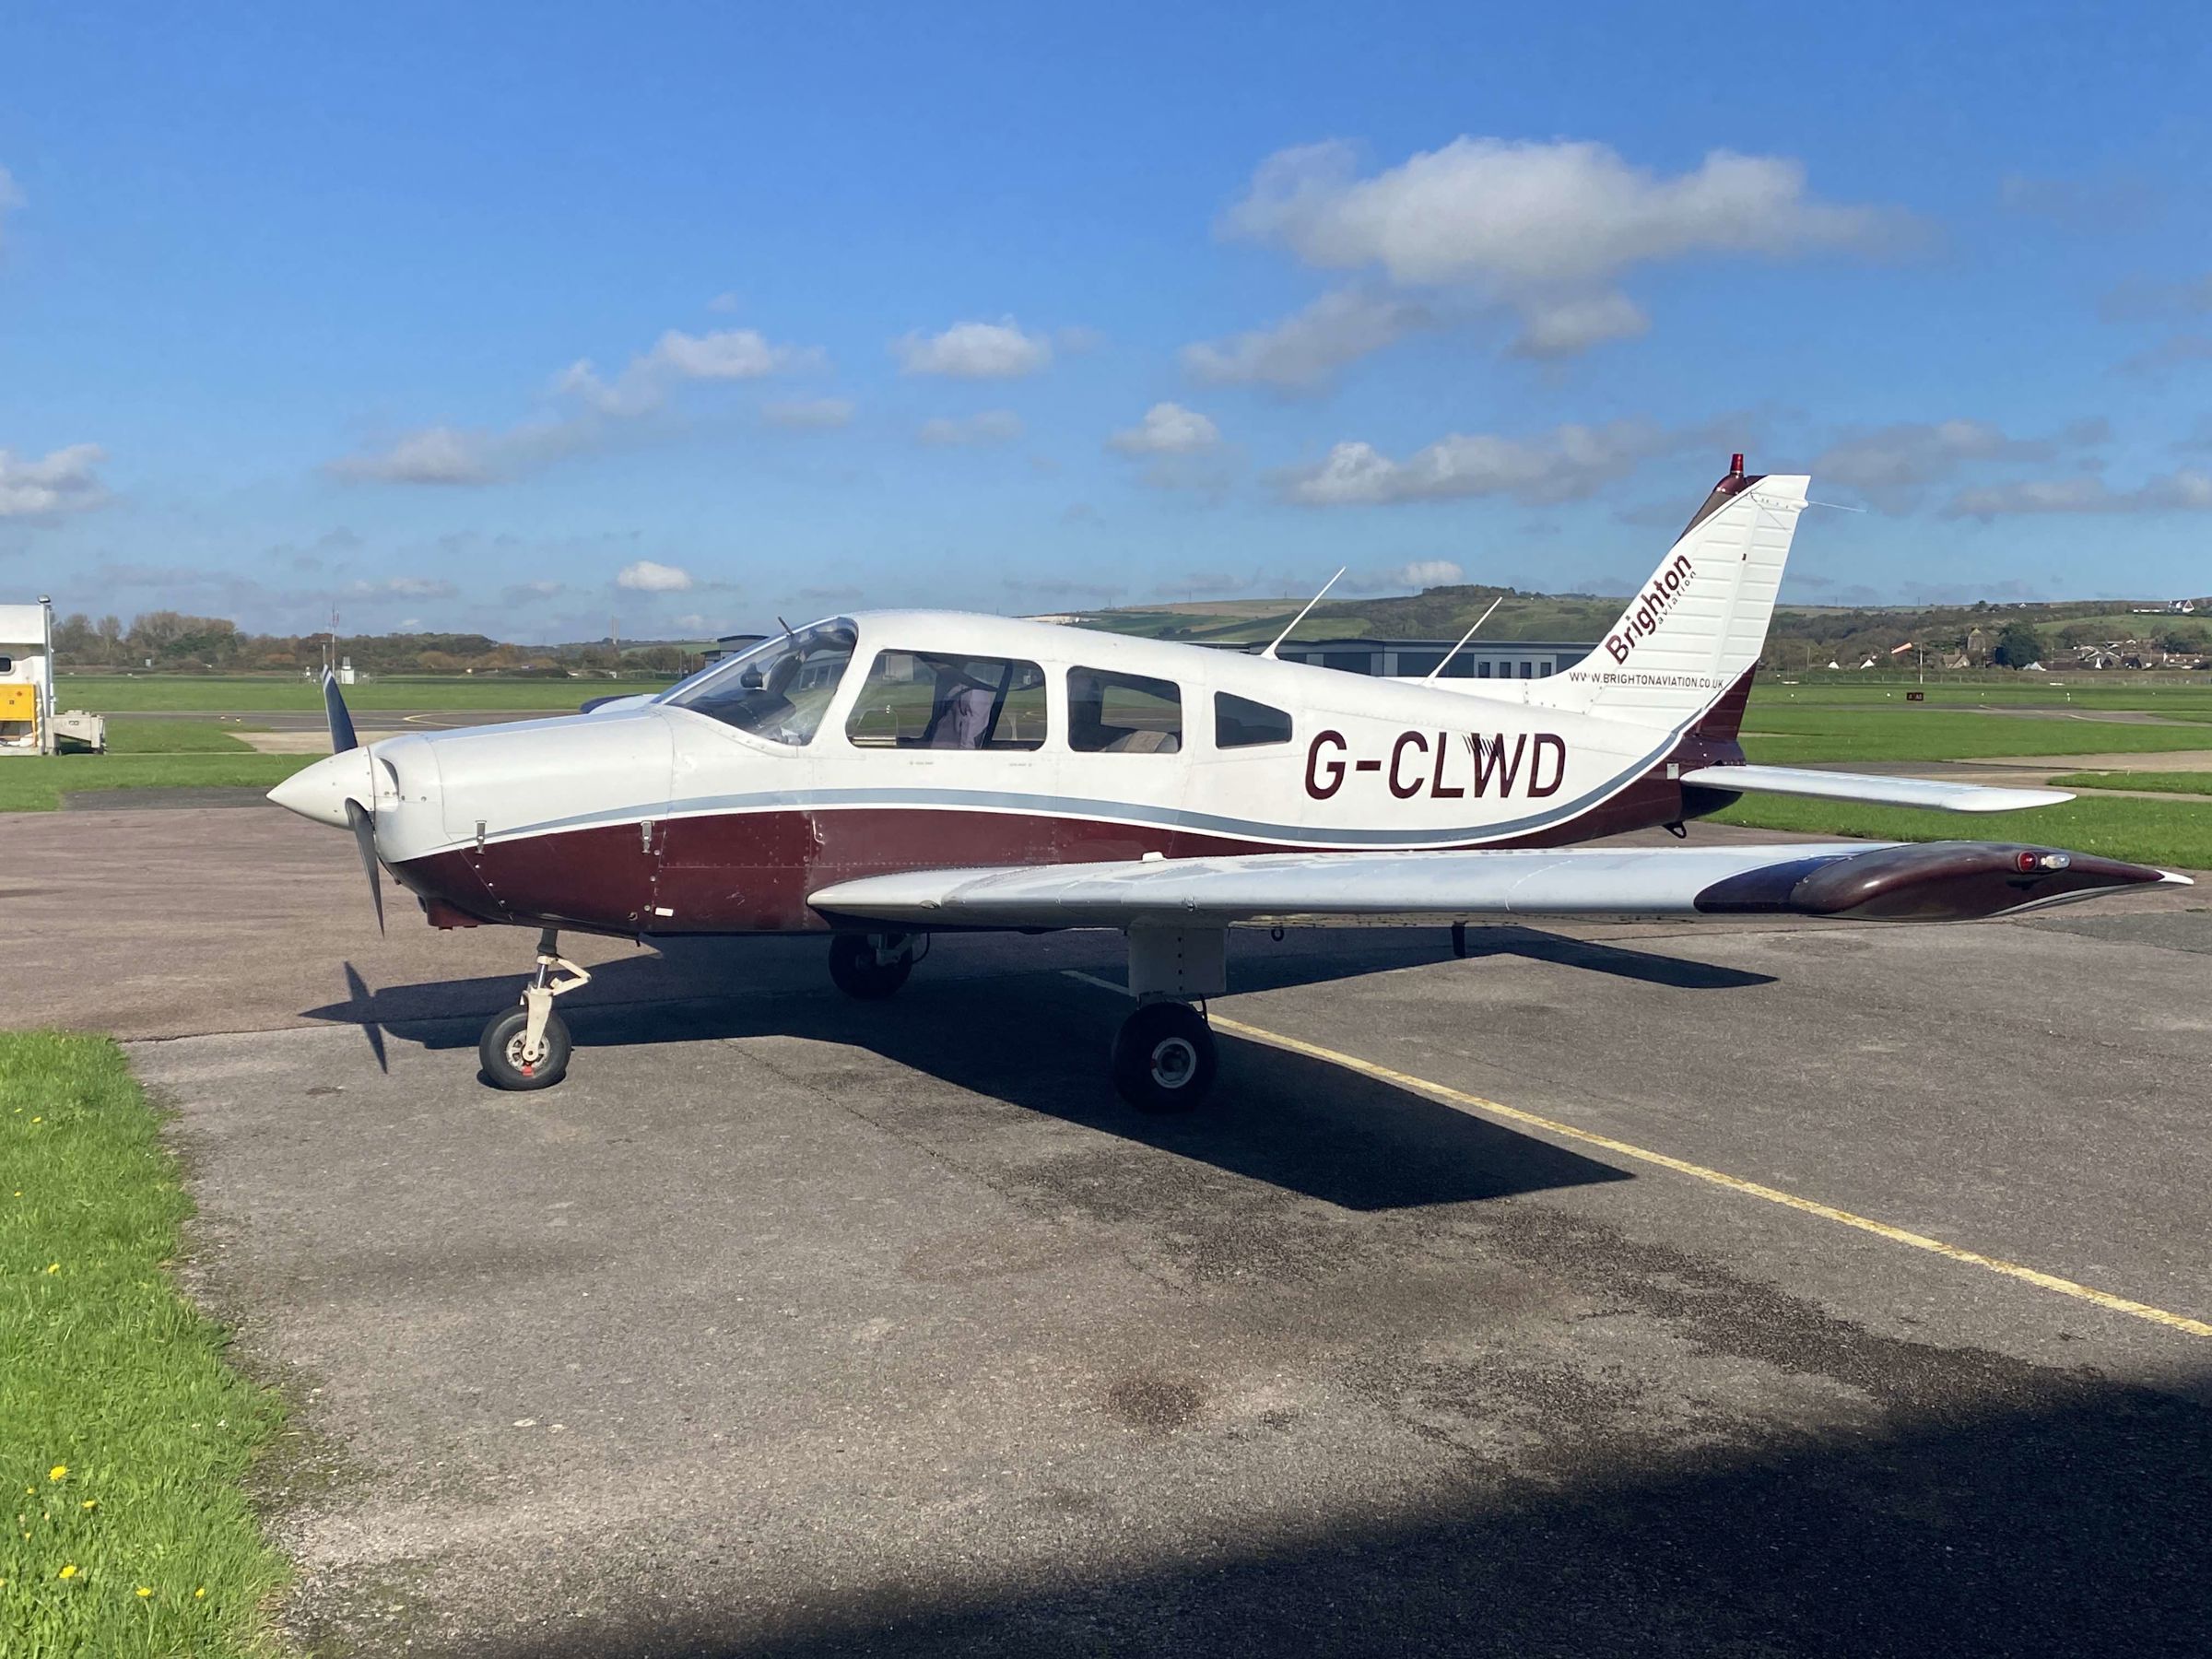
<point x="902" y="740"/>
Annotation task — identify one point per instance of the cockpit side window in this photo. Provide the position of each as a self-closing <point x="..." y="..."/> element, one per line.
<point x="931" y="700"/>
<point x="1123" y="713"/>
<point x="780" y="689"/>
<point x="1238" y="723"/>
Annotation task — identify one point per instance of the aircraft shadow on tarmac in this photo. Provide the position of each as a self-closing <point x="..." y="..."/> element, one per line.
<point x="1037" y="1040"/>
<point x="2013" y="1512"/>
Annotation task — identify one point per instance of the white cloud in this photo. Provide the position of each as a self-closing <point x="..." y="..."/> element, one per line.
<point x="974" y="351"/>
<point x="1890" y="465"/>
<point x="1563" y="327"/>
<point x="1304" y="351"/>
<point x="2081" y="204"/>
<point x="404" y="587"/>
<point x="727" y="354"/>
<point x="648" y="577"/>
<point x="725" y="303"/>
<point x="447" y="454"/>
<point x="2186" y="491"/>
<point x="2141" y="300"/>
<point x="1548" y="229"/>
<point x="811" y="412"/>
<point x="439" y="454"/>
<point x="1569" y="463"/>
<point x="2170" y="353"/>
<point x="993" y="426"/>
<point x="1166" y="429"/>
<point x="62" y="480"/>
<point x="1426" y="574"/>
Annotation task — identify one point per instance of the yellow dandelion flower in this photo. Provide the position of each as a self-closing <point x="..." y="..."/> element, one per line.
<point x="201" y="1594"/>
<point x="144" y="1591"/>
<point x="59" y="1472"/>
<point x="53" y="1266"/>
<point x="89" y="1503"/>
<point x="68" y="1571"/>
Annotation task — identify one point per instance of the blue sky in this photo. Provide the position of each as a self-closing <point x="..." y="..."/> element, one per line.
<point x="524" y="318"/>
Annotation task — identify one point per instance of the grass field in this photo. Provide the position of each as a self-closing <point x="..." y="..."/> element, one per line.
<point x="124" y="1436"/>
<point x="144" y="754"/>
<point x="112" y="694"/>
<point x="2179" y="782"/>
<point x="2174" y="697"/>
<point x="2173" y="835"/>
<point x="1784" y="733"/>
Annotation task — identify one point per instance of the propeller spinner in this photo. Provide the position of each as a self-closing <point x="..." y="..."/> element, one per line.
<point x="332" y="791"/>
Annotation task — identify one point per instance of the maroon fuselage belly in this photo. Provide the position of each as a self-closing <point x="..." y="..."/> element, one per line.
<point x="751" y="872"/>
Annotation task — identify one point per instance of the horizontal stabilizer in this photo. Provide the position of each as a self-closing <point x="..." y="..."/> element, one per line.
<point x="1872" y="788"/>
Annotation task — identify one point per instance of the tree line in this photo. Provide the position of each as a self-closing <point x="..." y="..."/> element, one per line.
<point x="175" y="642"/>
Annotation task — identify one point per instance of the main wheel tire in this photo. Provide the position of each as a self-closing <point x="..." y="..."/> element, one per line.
<point x="853" y="967"/>
<point x="500" y="1052"/>
<point x="1164" y="1057"/>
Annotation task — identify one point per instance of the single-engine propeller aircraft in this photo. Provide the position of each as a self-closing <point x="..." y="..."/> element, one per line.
<point x="881" y="777"/>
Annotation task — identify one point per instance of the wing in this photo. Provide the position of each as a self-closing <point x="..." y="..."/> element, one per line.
<point x="1935" y="881"/>
<point x="1866" y="786"/>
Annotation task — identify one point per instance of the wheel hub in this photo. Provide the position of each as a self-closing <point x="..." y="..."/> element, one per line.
<point x="1173" y="1061"/>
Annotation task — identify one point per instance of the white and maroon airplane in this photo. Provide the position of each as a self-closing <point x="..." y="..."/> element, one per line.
<point x="881" y="777"/>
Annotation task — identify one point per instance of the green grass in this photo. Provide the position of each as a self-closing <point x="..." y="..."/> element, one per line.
<point x="124" y="1436"/>
<point x="1785" y="735"/>
<point x="2176" y="697"/>
<point x="2175" y="834"/>
<point x="2169" y="782"/>
<point x="109" y="694"/>
<point x="38" y="785"/>
<point x="127" y="736"/>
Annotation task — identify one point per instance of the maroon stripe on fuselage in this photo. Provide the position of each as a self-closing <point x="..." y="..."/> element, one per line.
<point x="750" y="872"/>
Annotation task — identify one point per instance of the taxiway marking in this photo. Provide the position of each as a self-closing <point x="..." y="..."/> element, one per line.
<point x="1681" y="1166"/>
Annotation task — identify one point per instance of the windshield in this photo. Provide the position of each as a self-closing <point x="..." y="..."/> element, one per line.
<point x="779" y="689"/>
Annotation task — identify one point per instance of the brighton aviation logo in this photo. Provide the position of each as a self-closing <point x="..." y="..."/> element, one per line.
<point x="1658" y="599"/>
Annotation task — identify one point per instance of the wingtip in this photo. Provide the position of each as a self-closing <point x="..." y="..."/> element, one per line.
<point x="2175" y="878"/>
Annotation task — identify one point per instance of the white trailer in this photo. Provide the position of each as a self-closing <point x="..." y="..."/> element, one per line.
<point x="29" y="723"/>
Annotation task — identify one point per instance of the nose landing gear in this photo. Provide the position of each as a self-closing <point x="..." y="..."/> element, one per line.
<point x="528" y="1047"/>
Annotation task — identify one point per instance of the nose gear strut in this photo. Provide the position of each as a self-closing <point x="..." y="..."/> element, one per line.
<point x="527" y="1047"/>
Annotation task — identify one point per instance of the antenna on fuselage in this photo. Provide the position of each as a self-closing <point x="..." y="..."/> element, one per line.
<point x="1455" y="649"/>
<point x="1301" y="615"/>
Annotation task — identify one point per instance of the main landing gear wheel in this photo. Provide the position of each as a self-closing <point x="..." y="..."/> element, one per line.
<point x="507" y="1060"/>
<point x="856" y="966"/>
<point x="1164" y="1057"/>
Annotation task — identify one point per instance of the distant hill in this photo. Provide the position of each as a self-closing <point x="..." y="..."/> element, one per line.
<point x="1818" y="633"/>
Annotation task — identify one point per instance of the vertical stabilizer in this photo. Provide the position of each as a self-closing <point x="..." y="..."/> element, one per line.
<point x="1700" y="621"/>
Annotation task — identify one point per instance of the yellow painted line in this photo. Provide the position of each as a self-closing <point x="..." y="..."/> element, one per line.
<point x="1680" y="1166"/>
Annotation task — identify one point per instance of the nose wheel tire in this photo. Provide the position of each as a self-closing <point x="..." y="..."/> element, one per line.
<point x="1164" y="1057"/>
<point x="855" y="969"/>
<point x="500" y="1052"/>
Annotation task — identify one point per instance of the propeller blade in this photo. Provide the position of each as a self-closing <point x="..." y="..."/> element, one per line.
<point x="364" y="837"/>
<point x="341" y="721"/>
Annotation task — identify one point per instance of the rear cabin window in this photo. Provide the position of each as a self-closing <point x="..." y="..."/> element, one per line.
<point x="1123" y="713"/>
<point x="925" y="700"/>
<point x="7" y="664"/>
<point x="1238" y="723"/>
